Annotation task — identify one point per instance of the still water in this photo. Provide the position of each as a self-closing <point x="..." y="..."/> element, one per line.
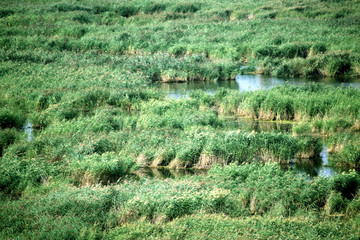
<point x="315" y="167"/>
<point x="247" y="83"/>
<point x="28" y="129"/>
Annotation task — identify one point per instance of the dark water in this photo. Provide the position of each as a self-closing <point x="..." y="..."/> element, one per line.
<point x="247" y="83"/>
<point x="164" y="172"/>
<point x="307" y="168"/>
<point x="314" y="167"/>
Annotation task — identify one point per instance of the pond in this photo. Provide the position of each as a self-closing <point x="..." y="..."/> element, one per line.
<point x="315" y="167"/>
<point x="247" y="83"/>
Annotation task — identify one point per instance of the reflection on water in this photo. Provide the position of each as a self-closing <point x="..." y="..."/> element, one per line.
<point x="182" y="90"/>
<point x="249" y="125"/>
<point x="163" y="172"/>
<point x="246" y="83"/>
<point x="28" y="130"/>
<point x="307" y="168"/>
<point x="314" y="167"/>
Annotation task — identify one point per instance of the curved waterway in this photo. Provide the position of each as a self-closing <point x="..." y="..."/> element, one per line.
<point x="247" y="83"/>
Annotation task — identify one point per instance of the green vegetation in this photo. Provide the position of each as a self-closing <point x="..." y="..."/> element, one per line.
<point x="227" y="199"/>
<point x="84" y="74"/>
<point x="288" y="38"/>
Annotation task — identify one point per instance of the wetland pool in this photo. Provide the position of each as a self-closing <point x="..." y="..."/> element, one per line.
<point x="178" y="90"/>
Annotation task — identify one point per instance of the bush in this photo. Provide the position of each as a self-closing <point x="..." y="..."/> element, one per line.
<point x="151" y="7"/>
<point x="335" y="203"/>
<point x="178" y="50"/>
<point x="108" y="167"/>
<point x="6" y="12"/>
<point x="11" y="119"/>
<point x="348" y="157"/>
<point x="277" y="108"/>
<point x="186" y="8"/>
<point x="318" y="47"/>
<point x="266" y="51"/>
<point x="126" y="11"/>
<point x="347" y="184"/>
<point x="103" y="146"/>
<point x="82" y="18"/>
<point x="337" y="64"/>
<point x="308" y="147"/>
<point x="7" y="137"/>
<point x="293" y="50"/>
<point x="302" y="129"/>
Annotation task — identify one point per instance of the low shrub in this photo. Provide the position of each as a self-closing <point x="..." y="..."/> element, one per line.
<point x="83" y="18"/>
<point x="11" y="119"/>
<point x="126" y="10"/>
<point x="186" y="8"/>
<point x="348" y="184"/>
<point x="152" y="7"/>
<point x="108" y="167"/>
<point x="7" y="137"/>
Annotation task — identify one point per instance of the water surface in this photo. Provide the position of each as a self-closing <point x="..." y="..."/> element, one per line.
<point x="247" y="83"/>
<point x="314" y="167"/>
<point x="249" y="125"/>
<point x="28" y="128"/>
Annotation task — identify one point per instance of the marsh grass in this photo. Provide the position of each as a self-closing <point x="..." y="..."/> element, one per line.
<point x="83" y="72"/>
<point x="187" y="28"/>
<point x="124" y="208"/>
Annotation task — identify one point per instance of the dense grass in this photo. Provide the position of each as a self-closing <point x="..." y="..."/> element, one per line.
<point x="306" y="43"/>
<point x="307" y="102"/>
<point x="231" y="197"/>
